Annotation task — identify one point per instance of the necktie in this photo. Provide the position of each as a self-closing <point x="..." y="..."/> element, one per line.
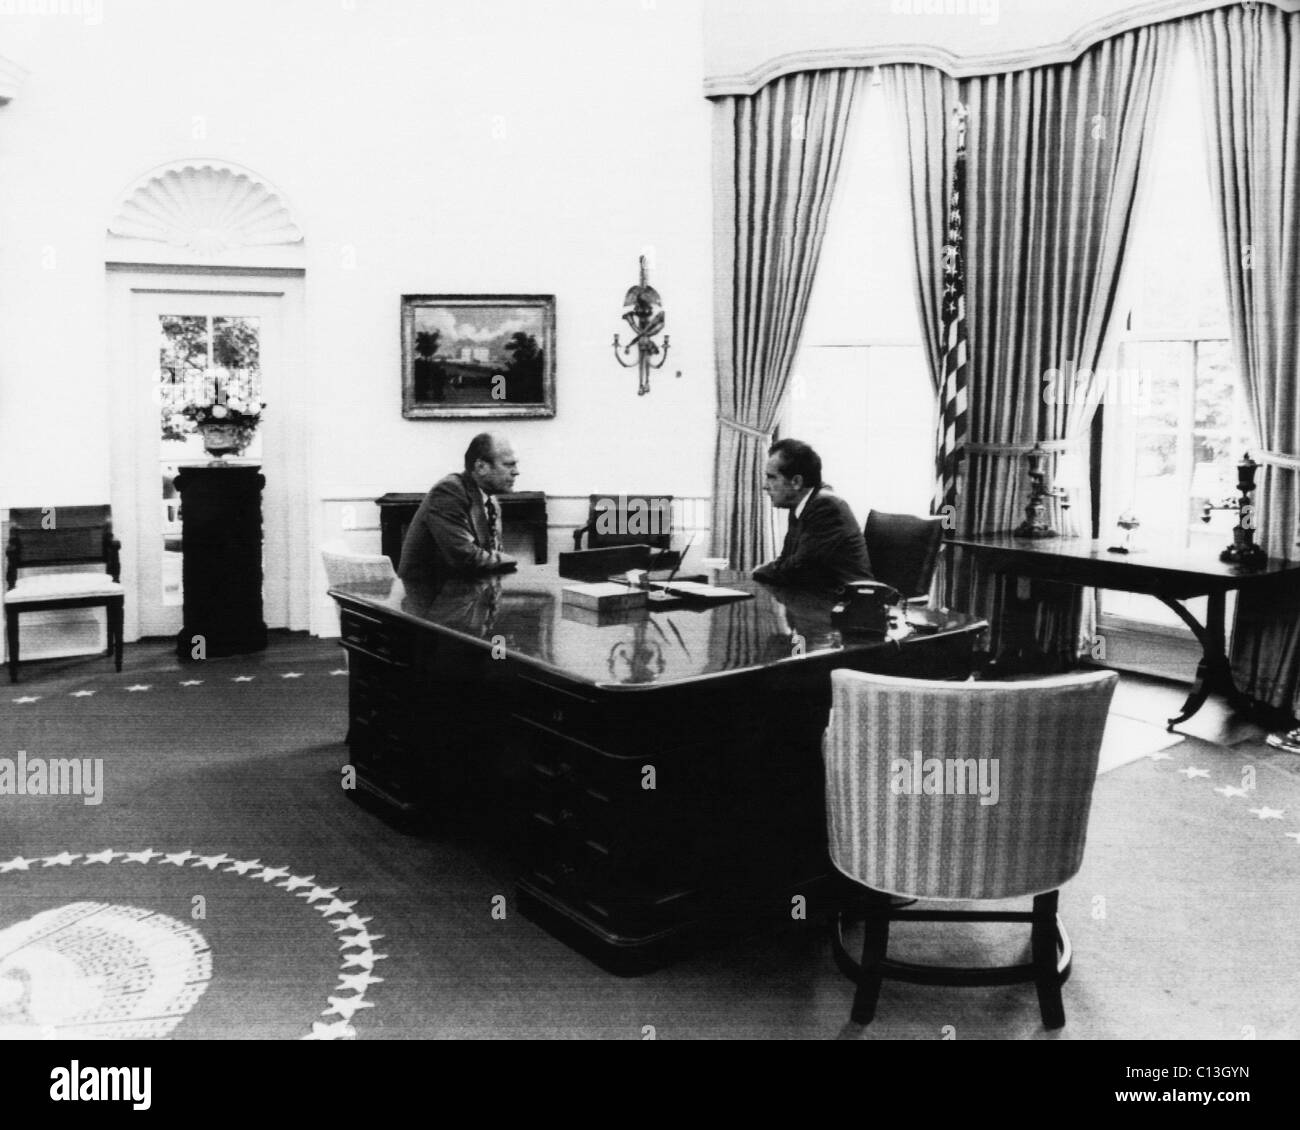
<point x="791" y="537"/>
<point x="494" y="533"/>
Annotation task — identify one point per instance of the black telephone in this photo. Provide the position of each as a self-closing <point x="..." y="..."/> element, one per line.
<point x="863" y="606"/>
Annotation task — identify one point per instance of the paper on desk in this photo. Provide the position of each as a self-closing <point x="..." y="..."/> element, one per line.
<point x="695" y="588"/>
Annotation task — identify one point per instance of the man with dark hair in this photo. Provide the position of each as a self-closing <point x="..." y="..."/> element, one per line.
<point x="457" y="529"/>
<point x="824" y="547"/>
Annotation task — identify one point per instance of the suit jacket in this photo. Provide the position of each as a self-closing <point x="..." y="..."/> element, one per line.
<point x="449" y="534"/>
<point x="824" y="549"/>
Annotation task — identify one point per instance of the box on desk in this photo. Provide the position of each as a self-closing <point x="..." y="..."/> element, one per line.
<point x="604" y="618"/>
<point x="604" y="596"/>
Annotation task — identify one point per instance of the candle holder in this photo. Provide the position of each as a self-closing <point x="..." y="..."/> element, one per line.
<point x="1035" y="523"/>
<point x="1243" y="550"/>
<point x="1128" y="522"/>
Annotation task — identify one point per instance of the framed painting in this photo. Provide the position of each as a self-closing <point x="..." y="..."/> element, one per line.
<point x="478" y="355"/>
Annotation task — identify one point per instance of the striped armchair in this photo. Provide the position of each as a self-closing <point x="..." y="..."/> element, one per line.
<point x="961" y="791"/>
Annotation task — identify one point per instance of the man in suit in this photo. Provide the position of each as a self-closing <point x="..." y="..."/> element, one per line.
<point x="457" y="530"/>
<point x="824" y="548"/>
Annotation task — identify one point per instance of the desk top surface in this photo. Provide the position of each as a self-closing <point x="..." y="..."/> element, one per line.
<point x="525" y="612"/>
<point x="1083" y="551"/>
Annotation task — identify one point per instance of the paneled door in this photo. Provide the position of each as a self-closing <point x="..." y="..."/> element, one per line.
<point x="191" y="349"/>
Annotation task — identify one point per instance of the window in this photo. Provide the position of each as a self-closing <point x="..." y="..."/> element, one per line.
<point x="1174" y="422"/>
<point x="860" y="389"/>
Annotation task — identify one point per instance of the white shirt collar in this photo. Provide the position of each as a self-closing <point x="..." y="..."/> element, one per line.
<point x="798" y="510"/>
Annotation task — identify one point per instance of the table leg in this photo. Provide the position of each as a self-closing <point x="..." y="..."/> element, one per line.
<point x="1214" y="671"/>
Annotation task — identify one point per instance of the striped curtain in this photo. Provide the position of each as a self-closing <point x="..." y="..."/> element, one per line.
<point x="776" y="159"/>
<point x="1250" y="74"/>
<point x="1054" y="156"/>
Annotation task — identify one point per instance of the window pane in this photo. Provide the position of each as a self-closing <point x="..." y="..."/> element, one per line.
<point x="860" y="389"/>
<point x="184" y="341"/>
<point x="235" y="343"/>
<point x="1216" y="439"/>
<point x="1162" y="367"/>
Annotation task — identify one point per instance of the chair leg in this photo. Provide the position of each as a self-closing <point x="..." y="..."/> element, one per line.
<point x="1046" y="977"/>
<point x="11" y="642"/>
<point x="115" y="618"/>
<point x="875" y="941"/>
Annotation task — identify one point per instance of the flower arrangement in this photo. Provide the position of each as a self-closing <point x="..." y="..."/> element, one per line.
<point x="228" y="398"/>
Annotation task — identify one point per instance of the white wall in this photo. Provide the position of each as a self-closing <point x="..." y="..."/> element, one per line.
<point x="457" y="147"/>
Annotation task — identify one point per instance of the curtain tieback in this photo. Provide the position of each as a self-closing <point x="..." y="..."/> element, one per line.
<point x="1278" y="459"/>
<point x="745" y="429"/>
<point x="1051" y="446"/>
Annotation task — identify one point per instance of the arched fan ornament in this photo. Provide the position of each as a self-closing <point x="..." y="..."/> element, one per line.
<point x="94" y="970"/>
<point x="205" y="208"/>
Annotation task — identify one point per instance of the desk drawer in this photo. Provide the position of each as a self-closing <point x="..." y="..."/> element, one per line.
<point x="560" y="708"/>
<point x="385" y="641"/>
<point x="557" y="759"/>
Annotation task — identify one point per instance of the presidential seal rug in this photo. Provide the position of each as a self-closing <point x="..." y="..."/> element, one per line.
<point x="118" y="944"/>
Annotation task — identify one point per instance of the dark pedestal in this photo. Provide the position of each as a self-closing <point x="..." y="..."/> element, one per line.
<point x="221" y="511"/>
<point x="526" y="508"/>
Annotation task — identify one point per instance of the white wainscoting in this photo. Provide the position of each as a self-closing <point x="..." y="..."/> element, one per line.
<point x="355" y="520"/>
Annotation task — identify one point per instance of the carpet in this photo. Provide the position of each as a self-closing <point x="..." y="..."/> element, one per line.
<point x="183" y="888"/>
<point x="1127" y="739"/>
<point x="227" y="873"/>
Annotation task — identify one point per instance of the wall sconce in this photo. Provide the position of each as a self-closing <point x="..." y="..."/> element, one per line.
<point x="644" y="313"/>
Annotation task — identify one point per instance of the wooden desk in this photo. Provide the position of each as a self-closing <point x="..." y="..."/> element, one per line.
<point x="1170" y="575"/>
<point x="524" y="507"/>
<point x="656" y="777"/>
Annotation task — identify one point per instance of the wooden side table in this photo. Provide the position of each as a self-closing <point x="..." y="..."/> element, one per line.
<point x="1169" y="573"/>
<point x="221" y="515"/>
<point x="524" y="507"/>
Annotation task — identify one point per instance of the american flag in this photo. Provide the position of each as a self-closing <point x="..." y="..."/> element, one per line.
<point x="952" y="393"/>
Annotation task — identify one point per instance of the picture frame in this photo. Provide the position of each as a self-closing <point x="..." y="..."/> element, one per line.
<point x="471" y="356"/>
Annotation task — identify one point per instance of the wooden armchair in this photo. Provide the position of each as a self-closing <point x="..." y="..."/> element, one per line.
<point x="627" y="519"/>
<point x="42" y="538"/>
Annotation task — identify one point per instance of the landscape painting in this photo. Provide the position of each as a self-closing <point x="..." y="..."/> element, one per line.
<point x="466" y="356"/>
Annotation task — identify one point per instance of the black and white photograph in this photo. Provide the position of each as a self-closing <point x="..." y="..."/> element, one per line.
<point x="651" y="520"/>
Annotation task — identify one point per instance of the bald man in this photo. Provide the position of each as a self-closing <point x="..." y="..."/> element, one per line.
<point x="457" y="530"/>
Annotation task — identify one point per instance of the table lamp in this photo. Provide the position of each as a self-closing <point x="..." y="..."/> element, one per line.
<point x="1035" y="524"/>
<point x="1243" y="550"/>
